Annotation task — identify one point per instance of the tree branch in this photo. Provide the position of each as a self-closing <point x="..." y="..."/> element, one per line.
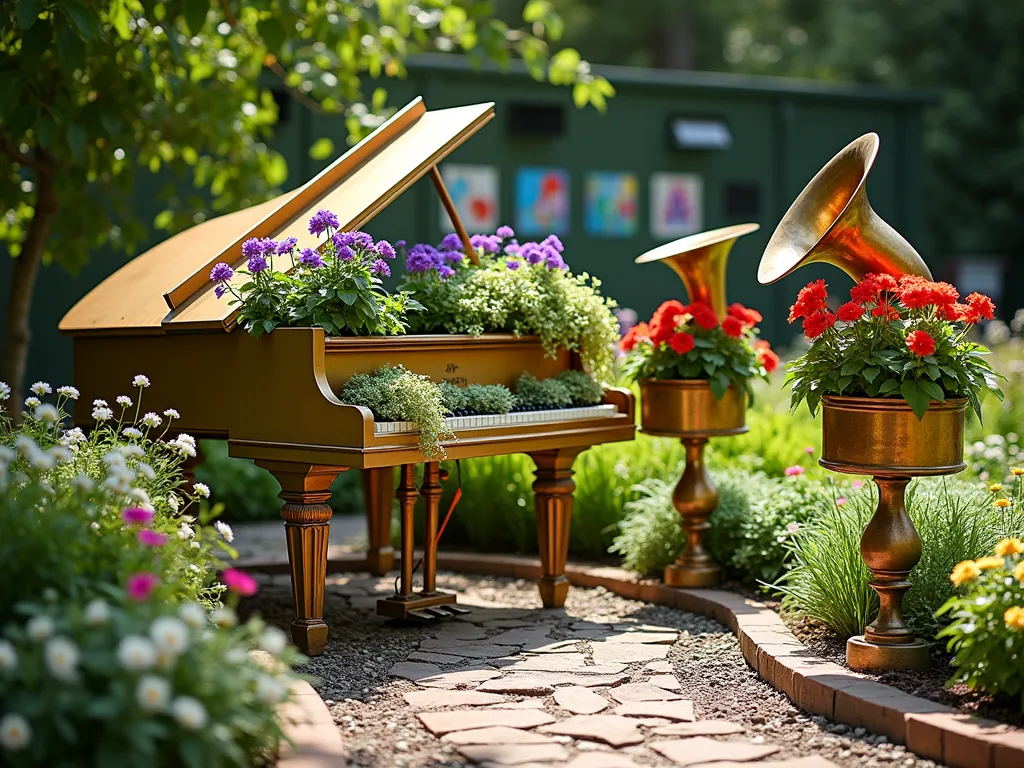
<point x="18" y="157"/>
<point x="311" y="104"/>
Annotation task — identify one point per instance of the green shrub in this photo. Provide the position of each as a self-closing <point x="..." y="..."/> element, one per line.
<point x="583" y="388"/>
<point x="649" y="535"/>
<point x="489" y="398"/>
<point x="547" y="393"/>
<point x="452" y="397"/>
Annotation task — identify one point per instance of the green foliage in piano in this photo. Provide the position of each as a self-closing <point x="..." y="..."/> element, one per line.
<point x="489" y="398"/>
<point x="546" y="393"/>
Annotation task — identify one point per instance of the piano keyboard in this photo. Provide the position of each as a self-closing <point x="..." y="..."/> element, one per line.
<point x="456" y="423"/>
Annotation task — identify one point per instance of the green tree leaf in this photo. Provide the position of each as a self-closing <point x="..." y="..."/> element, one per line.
<point x="273" y="33"/>
<point x="322" y="149"/>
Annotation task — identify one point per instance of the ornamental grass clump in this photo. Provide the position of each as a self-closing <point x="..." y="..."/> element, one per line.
<point x="336" y="286"/>
<point x="520" y="288"/>
<point x="688" y="342"/>
<point x="903" y="338"/>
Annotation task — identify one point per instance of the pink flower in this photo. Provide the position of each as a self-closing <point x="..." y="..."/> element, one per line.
<point x="137" y="516"/>
<point x="148" y="538"/>
<point x="795" y="471"/>
<point x="239" y="581"/>
<point x="141" y="585"/>
<point x="809" y="450"/>
<point x="841" y="501"/>
<point x="857" y="484"/>
<point x="793" y="527"/>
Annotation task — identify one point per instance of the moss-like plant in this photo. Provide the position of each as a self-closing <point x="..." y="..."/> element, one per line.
<point x="583" y="388"/>
<point x="489" y="398"/>
<point x="396" y="394"/>
<point x="548" y="393"/>
<point x="452" y="397"/>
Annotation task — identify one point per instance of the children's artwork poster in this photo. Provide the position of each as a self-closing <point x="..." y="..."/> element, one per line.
<point x="542" y="201"/>
<point x="474" y="190"/>
<point x="676" y="206"/>
<point x="610" y="204"/>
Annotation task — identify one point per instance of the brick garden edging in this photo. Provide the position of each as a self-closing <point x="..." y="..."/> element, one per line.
<point x="930" y="730"/>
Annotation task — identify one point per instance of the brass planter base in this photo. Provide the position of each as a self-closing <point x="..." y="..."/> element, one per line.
<point x="864" y="656"/>
<point x="694" y="576"/>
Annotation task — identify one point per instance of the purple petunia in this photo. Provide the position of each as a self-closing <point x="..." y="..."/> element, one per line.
<point x="512" y="264"/>
<point x="287" y="245"/>
<point x="445" y="271"/>
<point x="221" y="273"/>
<point x="450" y="242"/>
<point x="322" y="221"/>
<point x="422" y="258"/>
<point x="380" y="267"/>
<point x="554" y="242"/>
<point x="257" y="263"/>
<point x="310" y="258"/>
<point x="505" y="233"/>
<point x="385" y="249"/>
<point x="453" y="257"/>
<point x="219" y="291"/>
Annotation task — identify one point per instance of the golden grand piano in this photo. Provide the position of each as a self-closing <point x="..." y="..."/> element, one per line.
<point x="274" y="398"/>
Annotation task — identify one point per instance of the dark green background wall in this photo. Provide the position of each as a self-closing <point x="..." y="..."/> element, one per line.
<point x="783" y="131"/>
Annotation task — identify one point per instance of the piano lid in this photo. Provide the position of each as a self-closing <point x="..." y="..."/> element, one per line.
<point x="175" y="274"/>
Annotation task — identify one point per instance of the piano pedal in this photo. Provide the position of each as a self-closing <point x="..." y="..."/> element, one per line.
<point x="423" y="614"/>
<point x="420" y="606"/>
<point x="456" y="610"/>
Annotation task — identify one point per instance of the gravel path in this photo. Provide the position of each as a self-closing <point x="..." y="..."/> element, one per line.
<point x="641" y="652"/>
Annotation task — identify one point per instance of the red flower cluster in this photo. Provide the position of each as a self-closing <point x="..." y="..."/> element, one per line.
<point x="703" y="315"/>
<point x="681" y="342"/>
<point x="634" y="336"/>
<point x="920" y="343"/>
<point x="810" y="305"/>
<point x="665" y="319"/>
<point x="765" y="356"/>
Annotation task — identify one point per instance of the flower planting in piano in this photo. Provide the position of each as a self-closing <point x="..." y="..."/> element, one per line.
<point x="689" y="342"/>
<point x="905" y="338"/>
<point x="336" y="287"/>
<point x="522" y="288"/>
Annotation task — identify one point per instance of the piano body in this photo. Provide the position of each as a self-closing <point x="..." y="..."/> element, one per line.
<point x="274" y="398"/>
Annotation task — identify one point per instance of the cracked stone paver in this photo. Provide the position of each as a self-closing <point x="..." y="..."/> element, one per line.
<point x="668" y="710"/>
<point x="433" y="699"/>
<point x="701" y="749"/>
<point x="514" y="754"/>
<point x="611" y="729"/>
<point x="580" y="700"/>
<point x="642" y="692"/>
<point x="497" y="734"/>
<point x="700" y="728"/>
<point x="440" y="723"/>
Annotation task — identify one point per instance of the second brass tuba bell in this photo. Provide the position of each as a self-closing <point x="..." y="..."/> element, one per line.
<point x="831" y="221"/>
<point x="700" y="260"/>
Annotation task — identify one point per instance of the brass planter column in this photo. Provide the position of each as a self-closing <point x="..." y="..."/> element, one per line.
<point x="687" y="409"/>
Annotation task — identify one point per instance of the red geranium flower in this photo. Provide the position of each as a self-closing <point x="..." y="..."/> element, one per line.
<point x="733" y="326"/>
<point x="963" y="313"/>
<point x="809" y="301"/>
<point x="749" y="317"/>
<point x="703" y="315"/>
<point x="916" y="292"/>
<point x="633" y="337"/>
<point x="920" y="343"/>
<point x="887" y="311"/>
<point x="982" y="304"/>
<point x="816" y="324"/>
<point x="866" y="291"/>
<point x="681" y="342"/>
<point x="850" y="311"/>
<point x="670" y="311"/>
<point x="885" y="281"/>
<point x="768" y="359"/>
<point x="944" y="294"/>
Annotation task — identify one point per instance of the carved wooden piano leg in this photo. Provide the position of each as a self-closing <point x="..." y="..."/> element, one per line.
<point x="305" y="489"/>
<point x="378" y="492"/>
<point x="407" y="495"/>
<point x="553" y="490"/>
<point x="431" y="491"/>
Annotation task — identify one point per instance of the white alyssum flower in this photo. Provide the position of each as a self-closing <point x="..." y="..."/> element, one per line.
<point x="132" y="451"/>
<point x="136" y="653"/>
<point x="139" y="494"/>
<point x="62" y="658"/>
<point x="194" y="615"/>
<point x="102" y="413"/>
<point x="61" y="454"/>
<point x="140" y="381"/>
<point x="15" y="732"/>
<point x="73" y="436"/>
<point x="99" y="403"/>
<point x="39" y="628"/>
<point x="69" y="392"/>
<point x="97" y="612"/>
<point x="194" y="544"/>
<point x="5" y="390"/>
<point x="201" y="489"/>
<point x="151" y="420"/>
<point x="132" y="432"/>
<point x="32" y="402"/>
<point x="225" y="530"/>
<point x="47" y="413"/>
<point x="173" y="502"/>
<point x="189" y="712"/>
<point x="224" y="618"/>
<point x="170" y="413"/>
<point x="152" y="693"/>
<point x="82" y="483"/>
<point x="193" y="567"/>
<point x="124" y="401"/>
<point x="41" y="388"/>
<point x="169" y="634"/>
<point x="184" y="447"/>
<point x="146" y="471"/>
<point x="185" y="532"/>
<point x="273" y="641"/>
<point x="95" y="526"/>
<point x="8" y="656"/>
<point x="270" y="690"/>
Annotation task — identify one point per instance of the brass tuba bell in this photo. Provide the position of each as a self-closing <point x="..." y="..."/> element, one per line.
<point x="699" y="260"/>
<point x="831" y="221"/>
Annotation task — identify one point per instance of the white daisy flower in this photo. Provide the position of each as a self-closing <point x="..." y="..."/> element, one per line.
<point x="225" y="530"/>
<point x="8" y="656"/>
<point x="124" y="401"/>
<point x="132" y="451"/>
<point x="82" y="483"/>
<point x="224" y="618"/>
<point x="15" y="732"/>
<point x="132" y="432"/>
<point x="61" y="658"/>
<point x="194" y="544"/>
<point x="269" y="690"/>
<point x="183" y="447"/>
<point x="47" y="413"/>
<point x="99" y="403"/>
<point x="32" y="402"/>
<point x="41" y="388"/>
<point x="139" y="494"/>
<point x="152" y="693"/>
<point x="189" y="712"/>
<point x="194" y="615"/>
<point x="273" y="641"/>
<point x="140" y="381"/>
<point x="170" y="413"/>
<point x="185" y="532"/>
<point x="72" y="436"/>
<point x="146" y="471"/>
<point x="169" y="634"/>
<point x="97" y="612"/>
<point x="152" y="420"/>
<point x="6" y="454"/>
<point x="102" y="414"/>
<point x="5" y="390"/>
<point x="69" y="392"/>
<point x="39" y="628"/>
<point x="136" y="653"/>
<point x="173" y="502"/>
<point x="61" y="454"/>
<point x="201" y="489"/>
<point x="117" y="484"/>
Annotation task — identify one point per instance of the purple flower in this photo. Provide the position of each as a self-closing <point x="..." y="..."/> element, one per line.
<point x="253" y="247"/>
<point x="450" y="242"/>
<point x="554" y="242"/>
<point x="490" y="243"/>
<point x="287" y="245"/>
<point x="343" y="238"/>
<point x="322" y="220"/>
<point x="554" y="261"/>
<point x="385" y="249"/>
<point x="400" y="244"/>
<point x="532" y="252"/>
<point x="257" y="263"/>
<point x="346" y="254"/>
<point x="310" y="258"/>
<point x="219" y="291"/>
<point x="380" y="267"/>
<point x="221" y="273"/>
<point x="512" y="264"/>
<point x="422" y="258"/>
<point x="505" y="233"/>
<point x="362" y="240"/>
<point x="513" y="248"/>
<point x="627" y="319"/>
<point x="445" y="271"/>
<point x="453" y="257"/>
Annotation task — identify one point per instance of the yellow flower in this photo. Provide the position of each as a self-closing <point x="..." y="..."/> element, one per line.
<point x="988" y="563"/>
<point x="964" y="571"/>
<point x="995" y="488"/>
<point x="1018" y="572"/>
<point x="1002" y="503"/>
<point x="1012" y="546"/>
<point x="1014" y="617"/>
<point x="1018" y="471"/>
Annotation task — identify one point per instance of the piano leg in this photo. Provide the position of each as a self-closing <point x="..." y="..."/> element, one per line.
<point x="378" y="493"/>
<point x="431" y="492"/>
<point x="553" y="491"/>
<point x="407" y="495"/>
<point x="305" y="489"/>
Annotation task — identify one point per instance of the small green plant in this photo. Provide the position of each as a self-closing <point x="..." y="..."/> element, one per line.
<point x="452" y="397"/>
<point x="583" y="388"/>
<point x="489" y="398"/>
<point x="396" y="394"/>
<point x="544" y="393"/>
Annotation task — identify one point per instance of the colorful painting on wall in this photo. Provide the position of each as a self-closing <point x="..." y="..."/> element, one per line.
<point x="676" y="205"/>
<point x="542" y="201"/>
<point x="610" y="204"/>
<point x="474" y="190"/>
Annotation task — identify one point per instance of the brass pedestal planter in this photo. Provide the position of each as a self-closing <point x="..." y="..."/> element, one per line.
<point x="883" y="438"/>
<point x="687" y="409"/>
